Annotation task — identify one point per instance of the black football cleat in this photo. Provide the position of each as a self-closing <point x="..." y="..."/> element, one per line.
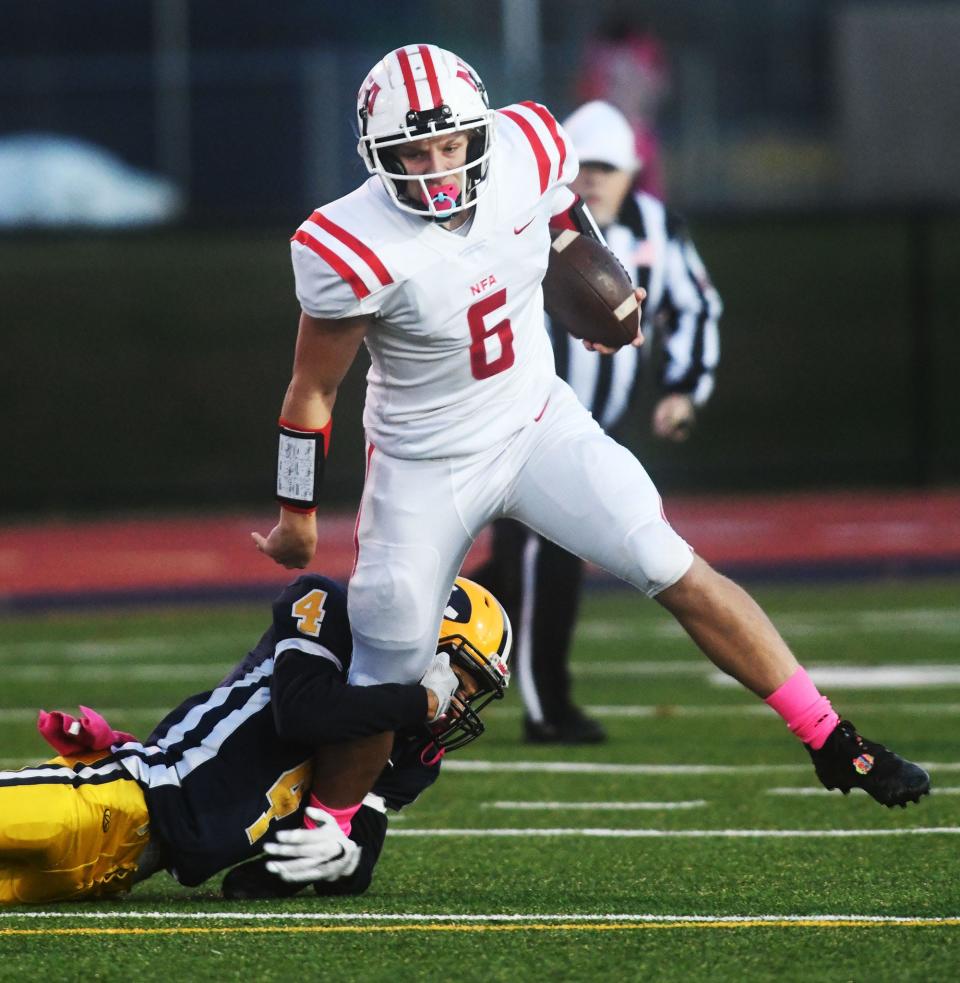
<point x="251" y="881"/>
<point x="572" y="727"/>
<point x="848" y="761"/>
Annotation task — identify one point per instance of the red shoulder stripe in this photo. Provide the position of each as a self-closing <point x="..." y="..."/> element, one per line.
<point x="551" y="125"/>
<point x="357" y="285"/>
<point x="363" y="251"/>
<point x="539" y="151"/>
<point x="431" y="71"/>
<point x="408" y="79"/>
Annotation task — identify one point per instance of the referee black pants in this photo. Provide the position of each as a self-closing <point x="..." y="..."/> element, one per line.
<point x="539" y="585"/>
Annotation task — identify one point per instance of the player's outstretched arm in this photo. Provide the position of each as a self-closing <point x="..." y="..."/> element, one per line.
<point x="324" y="353"/>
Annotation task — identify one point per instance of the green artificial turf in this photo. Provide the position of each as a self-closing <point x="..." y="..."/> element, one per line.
<point x="662" y="705"/>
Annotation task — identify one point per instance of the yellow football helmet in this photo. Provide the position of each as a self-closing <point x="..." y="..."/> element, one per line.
<point x="475" y="632"/>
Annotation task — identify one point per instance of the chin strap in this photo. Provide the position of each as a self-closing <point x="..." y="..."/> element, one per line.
<point x="437" y="752"/>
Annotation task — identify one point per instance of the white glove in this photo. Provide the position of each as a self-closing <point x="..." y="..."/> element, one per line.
<point x="321" y="854"/>
<point x="443" y="681"/>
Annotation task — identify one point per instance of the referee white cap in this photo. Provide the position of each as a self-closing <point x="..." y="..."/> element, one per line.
<point x="602" y="135"/>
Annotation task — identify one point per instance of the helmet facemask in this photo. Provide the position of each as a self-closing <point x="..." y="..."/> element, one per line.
<point x="462" y="723"/>
<point x="475" y="633"/>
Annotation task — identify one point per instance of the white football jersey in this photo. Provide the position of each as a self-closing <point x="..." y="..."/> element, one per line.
<point x="460" y="355"/>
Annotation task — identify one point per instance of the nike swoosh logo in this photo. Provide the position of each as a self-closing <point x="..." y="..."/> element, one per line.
<point x="517" y="232"/>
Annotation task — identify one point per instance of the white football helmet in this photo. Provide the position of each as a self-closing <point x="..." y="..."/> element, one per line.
<point x="420" y="91"/>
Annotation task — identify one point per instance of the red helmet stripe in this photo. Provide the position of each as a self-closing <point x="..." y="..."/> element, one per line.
<point x="539" y="151"/>
<point x="463" y="73"/>
<point x="408" y="79"/>
<point x="551" y="124"/>
<point x="346" y="272"/>
<point x="351" y="241"/>
<point x="372" y="94"/>
<point x="432" y="79"/>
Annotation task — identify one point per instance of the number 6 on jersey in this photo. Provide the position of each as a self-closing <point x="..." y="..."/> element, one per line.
<point x="479" y="332"/>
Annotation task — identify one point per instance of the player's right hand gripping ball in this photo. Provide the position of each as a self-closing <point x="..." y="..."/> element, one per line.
<point x="588" y="292"/>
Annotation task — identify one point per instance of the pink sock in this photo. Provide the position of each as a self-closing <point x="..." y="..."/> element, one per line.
<point x="807" y="712"/>
<point x="342" y="816"/>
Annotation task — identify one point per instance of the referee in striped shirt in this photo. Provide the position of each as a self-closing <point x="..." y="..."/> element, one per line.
<point x="538" y="582"/>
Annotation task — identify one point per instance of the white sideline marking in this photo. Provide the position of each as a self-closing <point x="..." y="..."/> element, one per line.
<point x="622" y="806"/>
<point x="370" y="916"/>
<point x="596" y="832"/>
<point x="871" y="677"/>
<point x="604" y="768"/>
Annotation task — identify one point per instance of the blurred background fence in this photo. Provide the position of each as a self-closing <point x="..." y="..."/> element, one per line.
<point x="814" y="146"/>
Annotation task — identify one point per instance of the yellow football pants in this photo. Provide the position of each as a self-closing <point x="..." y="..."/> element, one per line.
<point x="69" y="840"/>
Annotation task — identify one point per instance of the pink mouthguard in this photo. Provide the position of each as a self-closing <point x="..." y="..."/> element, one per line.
<point x="443" y="197"/>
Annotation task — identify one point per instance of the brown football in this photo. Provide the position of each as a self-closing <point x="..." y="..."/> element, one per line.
<point x="588" y="292"/>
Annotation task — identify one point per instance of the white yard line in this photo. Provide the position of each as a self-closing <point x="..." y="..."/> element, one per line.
<point x="154" y="673"/>
<point x="626" y="710"/>
<point x="803" y="790"/>
<point x="611" y="711"/>
<point x="606" y="806"/>
<point x="121" y="648"/>
<point x="29" y="714"/>
<point x="899" y="677"/>
<point x="605" y="768"/>
<point x="592" y="767"/>
<point x="533" y="917"/>
<point x="624" y="667"/>
<point x="931" y="621"/>
<point x="667" y="710"/>
<point x="681" y="833"/>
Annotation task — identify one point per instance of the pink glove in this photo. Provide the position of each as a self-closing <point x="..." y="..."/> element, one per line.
<point x="67" y="735"/>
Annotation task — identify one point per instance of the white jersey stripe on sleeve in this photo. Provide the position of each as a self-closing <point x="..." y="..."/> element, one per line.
<point x="311" y="648"/>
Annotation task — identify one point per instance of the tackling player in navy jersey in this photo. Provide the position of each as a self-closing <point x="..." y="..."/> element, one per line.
<point x="228" y="773"/>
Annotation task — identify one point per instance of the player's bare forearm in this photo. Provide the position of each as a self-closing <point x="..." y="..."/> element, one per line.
<point x="325" y="350"/>
<point x="324" y="353"/>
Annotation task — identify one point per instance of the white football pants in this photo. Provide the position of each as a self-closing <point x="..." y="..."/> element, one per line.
<point x="561" y="475"/>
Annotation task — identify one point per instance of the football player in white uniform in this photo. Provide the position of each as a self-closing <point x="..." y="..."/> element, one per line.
<point x="436" y="263"/>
